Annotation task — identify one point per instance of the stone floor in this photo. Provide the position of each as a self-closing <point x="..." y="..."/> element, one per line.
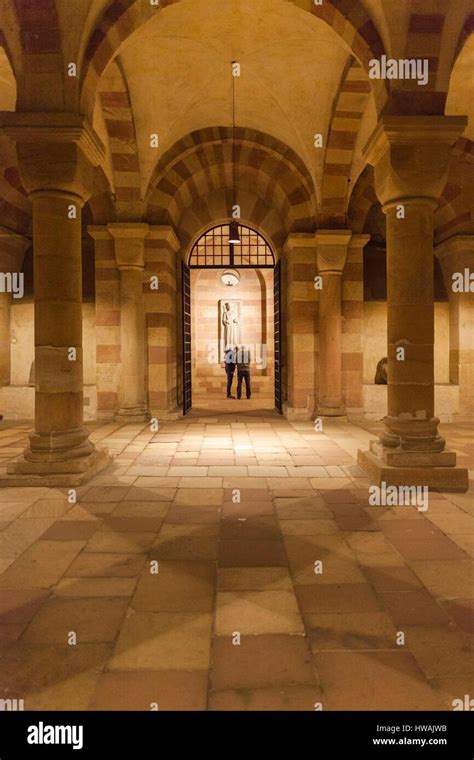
<point x="226" y="567"/>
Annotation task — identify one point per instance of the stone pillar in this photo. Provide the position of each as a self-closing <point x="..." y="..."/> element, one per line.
<point x="162" y="324"/>
<point x="107" y="321"/>
<point x="56" y="153"/>
<point x="411" y="158"/>
<point x="130" y="255"/>
<point x="301" y="309"/>
<point x="12" y="252"/>
<point x="331" y="258"/>
<point x="353" y="327"/>
<point x="456" y="257"/>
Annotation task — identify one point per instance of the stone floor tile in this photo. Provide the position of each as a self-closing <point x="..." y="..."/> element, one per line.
<point x="71" y="530"/>
<point x="190" y="497"/>
<point x="280" y="698"/>
<point x="186" y="542"/>
<point x="373" y="680"/>
<point x="420" y="540"/>
<point x="132" y="524"/>
<point x="92" y="620"/>
<point x="52" y="677"/>
<point x="250" y="612"/>
<point x="42" y="565"/>
<point x="308" y="527"/>
<point x="261" y="527"/>
<point x="106" y="565"/>
<point x="163" y="641"/>
<point x="462" y="612"/>
<point x="415" y="607"/>
<point x="179" y="586"/>
<point x="138" y="509"/>
<point x="446" y="578"/>
<point x="339" y="598"/>
<point x="391" y="578"/>
<point x="155" y="493"/>
<point x="120" y="543"/>
<point x="196" y="514"/>
<point x="20" y="605"/>
<point x="253" y="579"/>
<point x="95" y="587"/>
<point x="263" y="660"/>
<point x="246" y="552"/>
<point x="350" y="630"/>
<point x="140" y="690"/>
<point x="441" y="651"/>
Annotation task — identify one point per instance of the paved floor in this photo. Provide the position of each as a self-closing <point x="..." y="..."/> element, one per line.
<point x="233" y="562"/>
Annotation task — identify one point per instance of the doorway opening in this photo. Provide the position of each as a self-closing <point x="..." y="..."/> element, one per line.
<point x="231" y="295"/>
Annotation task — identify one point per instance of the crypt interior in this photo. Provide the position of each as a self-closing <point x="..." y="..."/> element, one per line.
<point x="186" y="176"/>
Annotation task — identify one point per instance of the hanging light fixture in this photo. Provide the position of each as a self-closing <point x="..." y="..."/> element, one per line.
<point x="230" y="278"/>
<point x="234" y="233"/>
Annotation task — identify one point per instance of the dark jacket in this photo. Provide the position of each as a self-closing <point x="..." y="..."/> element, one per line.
<point x="243" y="360"/>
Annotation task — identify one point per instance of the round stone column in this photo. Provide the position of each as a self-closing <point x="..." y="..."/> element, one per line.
<point x="59" y="432"/>
<point x="411" y="419"/>
<point x="56" y="153"/>
<point x="411" y="156"/>
<point x="130" y="255"/>
<point x="331" y="258"/>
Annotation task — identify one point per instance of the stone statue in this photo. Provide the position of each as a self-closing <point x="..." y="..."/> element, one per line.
<point x="231" y="323"/>
<point x="381" y="372"/>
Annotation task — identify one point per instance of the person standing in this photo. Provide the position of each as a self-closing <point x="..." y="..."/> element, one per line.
<point x="243" y="371"/>
<point x="229" y="360"/>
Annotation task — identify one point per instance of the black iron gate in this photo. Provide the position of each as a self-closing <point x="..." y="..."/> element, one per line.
<point x="277" y="316"/>
<point x="187" y="368"/>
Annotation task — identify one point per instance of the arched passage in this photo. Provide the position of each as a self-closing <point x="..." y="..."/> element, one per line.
<point x="231" y="300"/>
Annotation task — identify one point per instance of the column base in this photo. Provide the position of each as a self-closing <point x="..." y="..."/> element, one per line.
<point x="56" y="474"/>
<point x="296" y="413"/>
<point x="169" y="415"/>
<point x="132" y="414"/>
<point x="328" y="411"/>
<point x="436" y="470"/>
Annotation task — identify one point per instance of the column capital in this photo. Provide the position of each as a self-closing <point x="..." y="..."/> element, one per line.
<point x="332" y="248"/>
<point x="297" y="240"/>
<point x="56" y="151"/>
<point x="129" y="243"/>
<point x="12" y="250"/>
<point x="165" y="234"/>
<point x="455" y="253"/>
<point x="99" y="232"/>
<point x="411" y="155"/>
<point x="359" y="241"/>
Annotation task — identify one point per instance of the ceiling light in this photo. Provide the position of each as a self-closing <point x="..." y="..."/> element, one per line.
<point x="234" y="234"/>
<point x="230" y="277"/>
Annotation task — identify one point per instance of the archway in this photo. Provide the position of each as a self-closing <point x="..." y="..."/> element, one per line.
<point x="230" y="295"/>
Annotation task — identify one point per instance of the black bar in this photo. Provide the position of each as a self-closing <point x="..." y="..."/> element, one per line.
<point x="324" y="734"/>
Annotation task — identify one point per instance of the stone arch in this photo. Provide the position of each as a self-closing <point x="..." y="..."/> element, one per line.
<point x="194" y="179"/>
<point x="38" y="54"/>
<point x="350" y="21"/>
<point x="466" y="31"/>
<point x="349" y="106"/>
<point x="120" y="125"/>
